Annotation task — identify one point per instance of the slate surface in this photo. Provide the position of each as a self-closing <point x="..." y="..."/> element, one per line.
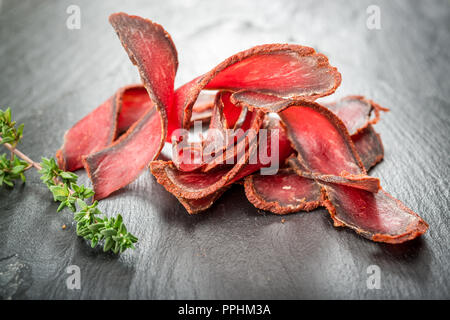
<point x="52" y="76"/>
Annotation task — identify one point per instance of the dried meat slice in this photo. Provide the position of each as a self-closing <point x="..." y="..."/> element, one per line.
<point x="227" y="149"/>
<point x="283" y="193"/>
<point x="369" y="147"/>
<point x="202" y="109"/>
<point x="324" y="146"/>
<point x="79" y="141"/>
<point x="268" y="158"/>
<point x="134" y="103"/>
<point x="257" y="100"/>
<point x="196" y="185"/>
<point x="194" y="206"/>
<point x="121" y="163"/>
<point x="376" y="216"/>
<point x="367" y="144"/>
<point x="190" y="185"/>
<point x="105" y="123"/>
<point x="355" y="112"/>
<point x="300" y="72"/>
<point x="360" y="181"/>
<point x="152" y="50"/>
<point x="221" y="143"/>
<point x="149" y="47"/>
<point x="231" y="112"/>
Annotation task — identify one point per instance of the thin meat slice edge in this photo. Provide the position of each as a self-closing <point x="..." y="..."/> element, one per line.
<point x="194" y="206"/>
<point x="360" y="181"/>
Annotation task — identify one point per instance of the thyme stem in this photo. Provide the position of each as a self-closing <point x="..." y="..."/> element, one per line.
<point x="21" y="155"/>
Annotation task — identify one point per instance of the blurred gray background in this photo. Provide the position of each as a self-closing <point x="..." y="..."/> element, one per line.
<point x="52" y="76"/>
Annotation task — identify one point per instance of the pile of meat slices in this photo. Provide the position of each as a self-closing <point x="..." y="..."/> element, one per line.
<point x="324" y="150"/>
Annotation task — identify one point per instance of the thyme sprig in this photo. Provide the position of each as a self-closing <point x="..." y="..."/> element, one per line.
<point x="111" y="231"/>
<point x="11" y="170"/>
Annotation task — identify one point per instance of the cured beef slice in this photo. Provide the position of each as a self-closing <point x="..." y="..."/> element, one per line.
<point x="194" y="206"/>
<point x="376" y="216"/>
<point x="134" y="103"/>
<point x="379" y="217"/>
<point x="300" y="72"/>
<point x="151" y="49"/>
<point x="79" y="141"/>
<point x="102" y="126"/>
<point x="368" y="146"/>
<point x="355" y="112"/>
<point x="196" y="185"/>
<point x="324" y="147"/>
<point x="285" y="192"/>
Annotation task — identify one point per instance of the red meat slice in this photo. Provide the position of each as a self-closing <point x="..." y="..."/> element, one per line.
<point x="79" y="141"/>
<point x="355" y="112"/>
<point x="285" y="192"/>
<point x="194" y="206"/>
<point x="376" y="216"/>
<point x="166" y="172"/>
<point x="202" y="109"/>
<point x="102" y="126"/>
<point x="301" y="72"/>
<point x="258" y="100"/>
<point x="369" y="147"/>
<point x="152" y="50"/>
<point x="220" y="141"/>
<point x="113" y="168"/>
<point x="196" y="185"/>
<point x="324" y="146"/>
<point x="360" y="181"/>
<point x="134" y="103"/>
<point x="367" y="143"/>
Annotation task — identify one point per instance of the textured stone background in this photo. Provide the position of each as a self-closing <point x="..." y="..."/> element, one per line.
<point x="52" y="76"/>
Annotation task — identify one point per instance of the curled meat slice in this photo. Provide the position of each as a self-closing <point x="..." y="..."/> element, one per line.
<point x="324" y="146"/>
<point x="103" y="125"/>
<point x="149" y="47"/>
<point x="300" y="72"/>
